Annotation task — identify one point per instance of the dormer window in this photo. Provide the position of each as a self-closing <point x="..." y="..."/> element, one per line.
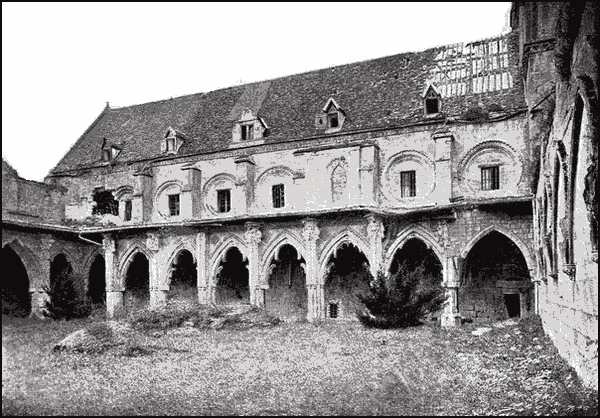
<point x="109" y="152"/>
<point x="432" y="101"/>
<point x="172" y="141"/>
<point x="249" y="127"/>
<point x="247" y="132"/>
<point x="105" y="155"/>
<point x="331" y="118"/>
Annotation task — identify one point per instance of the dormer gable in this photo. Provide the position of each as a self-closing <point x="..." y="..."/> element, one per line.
<point x="432" y="100"/>
<point x="109" y="151"/>
<point x="249" y="127"/>
<point x="331" y="118"/>
<point x="171" y="141"/>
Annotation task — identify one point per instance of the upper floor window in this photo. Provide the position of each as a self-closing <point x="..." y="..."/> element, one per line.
<point x="172" y="141"/>
<point x="174" y="204"/>
<point x="490" y="178"/>
<point x="105" y="155"/>
<point x="278" y="195"/>
<point x="408" y="183"/>
<point x="331" y="118"/>
<point x="170" y="144"/>
<point x="127" y="214"/>
<point x="247" y="132"/>
<point x="224" y="200"/>
<point x="432" y="100"/>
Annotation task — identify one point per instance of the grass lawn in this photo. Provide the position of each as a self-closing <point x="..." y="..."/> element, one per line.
<point x="333" y="368"/>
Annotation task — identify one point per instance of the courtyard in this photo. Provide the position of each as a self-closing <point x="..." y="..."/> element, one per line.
<point x="335" y="367"/>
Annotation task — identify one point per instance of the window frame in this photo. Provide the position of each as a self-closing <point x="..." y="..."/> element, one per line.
<point x="170" y="140"/>
<point x="278" y="195"/>
<point x="491" y="180"/>
<point x="106" y="155"/>
<point x="171" y="208"/>
<point x="247" y="132"/>
<point x="228" y="200"/>
<point x="412" y="186"/>
<point x="333" y="116"/>
<point x="127" y="210"/>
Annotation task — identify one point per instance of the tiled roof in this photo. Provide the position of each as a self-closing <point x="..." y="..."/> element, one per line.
<point x="379" y="93"/>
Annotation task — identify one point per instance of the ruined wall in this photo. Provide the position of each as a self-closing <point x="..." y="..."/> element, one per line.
<point x="30" y="200"/>
<point x="561" y="65"/>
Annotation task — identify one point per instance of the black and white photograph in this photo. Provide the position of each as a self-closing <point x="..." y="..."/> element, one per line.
<point x="300" y="208"/>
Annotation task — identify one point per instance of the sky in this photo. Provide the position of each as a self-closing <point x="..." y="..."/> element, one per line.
<point x="61" y="62"/>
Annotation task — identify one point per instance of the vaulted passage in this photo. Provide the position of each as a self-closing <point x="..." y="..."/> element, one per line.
<point x="495" y="281"/>
<point x="232" y="279"/>
<point x="137" y="283"/>
<point x="416" y="258"/>
<point x="183" y="278"/>
<point x="16" y="300"/>
<point x="348" y="275"/>
<point x="96" y="281"/>
<point x="286" y="296"/>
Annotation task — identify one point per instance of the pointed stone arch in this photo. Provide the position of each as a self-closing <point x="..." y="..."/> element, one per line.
<point x="182" y="244"/>
<point x="220" y="253"/>
<point x="525" y="251"/>
<point x="127" y="258"/>
<point x="420" y="233"/>
<point x="30" y="261"/>
<point x="348" y="236"/>
<point x="271" y="253"/>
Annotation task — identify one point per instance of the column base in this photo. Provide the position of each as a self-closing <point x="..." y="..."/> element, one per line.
<point x="38" y="304"/>
<point x="450" y="320"/>
<point x="114" y="304"/>
<point x="158" y="298"/>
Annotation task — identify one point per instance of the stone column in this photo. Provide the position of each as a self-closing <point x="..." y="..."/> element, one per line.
<point x="158" y="291"/>
<point x="202" y="279"/>
<point x="314" y="283"/>
<point x="112" y="283"/>
<point x="451" y="315"/>
<point x="375" y="233"/>
<point x="38" y="299"/>
<point x="443" y="139"/>
<point x="38" y="295"/>
<point x="253" y="237"/>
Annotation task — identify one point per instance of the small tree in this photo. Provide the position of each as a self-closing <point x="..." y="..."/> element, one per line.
<point x="401" y="299"/>
<point x="63" y="300"/>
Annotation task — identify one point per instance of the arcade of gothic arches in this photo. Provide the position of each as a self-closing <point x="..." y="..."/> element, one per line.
<point x="303" y="273"/>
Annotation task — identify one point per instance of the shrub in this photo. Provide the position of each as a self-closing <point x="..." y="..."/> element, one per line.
<point x="63" y="300"/>
<point x="401" y="299"/>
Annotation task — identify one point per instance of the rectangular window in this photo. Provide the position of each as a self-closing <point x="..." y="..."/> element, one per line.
<point x="128" y="210"/>
<point x="333" y="120"/>
<point x="408" y="187"/>
<point x="173" y="204"/>
<point x="170" y="144"/>
<point x="432" y="106"/>
<point x="105" y="155"/>
<point x="490" y="178"/>
<point x="224" y="200"/>
<point x="278" y="196"/>
<point x="247" y="132"/>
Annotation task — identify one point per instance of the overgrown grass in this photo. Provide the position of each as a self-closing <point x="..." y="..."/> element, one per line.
<point x="333" y="368"/>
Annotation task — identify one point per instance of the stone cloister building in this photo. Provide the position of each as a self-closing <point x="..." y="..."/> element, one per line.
<point x="290" y="193"/>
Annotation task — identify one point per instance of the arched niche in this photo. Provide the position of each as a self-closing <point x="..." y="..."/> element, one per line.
<point x="406" y="161"/>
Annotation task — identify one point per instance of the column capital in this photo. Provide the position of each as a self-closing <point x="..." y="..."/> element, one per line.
<point x="253" y="235"/>
<point x="109" y="243"/>
<point x="375" y="228"/>
<point x="310" y="230"/>
<point x="153" y="241"/>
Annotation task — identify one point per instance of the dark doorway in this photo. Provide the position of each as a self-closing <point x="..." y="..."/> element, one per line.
<point x="183" y="278"/>
<point x="232" y="279"/>
<point x="96" y="281"/>
<point x="512" y="301"/>
<point x="137" y="283"/>
<point x="286" y="296"/>
<point x="16" y="300"/>
<point x="348" y="277"/>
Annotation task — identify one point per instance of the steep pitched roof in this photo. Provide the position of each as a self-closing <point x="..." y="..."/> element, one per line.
<point x="378" y="93"/>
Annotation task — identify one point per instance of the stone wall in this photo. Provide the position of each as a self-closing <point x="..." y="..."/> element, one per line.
<point x="561" y="63"/>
